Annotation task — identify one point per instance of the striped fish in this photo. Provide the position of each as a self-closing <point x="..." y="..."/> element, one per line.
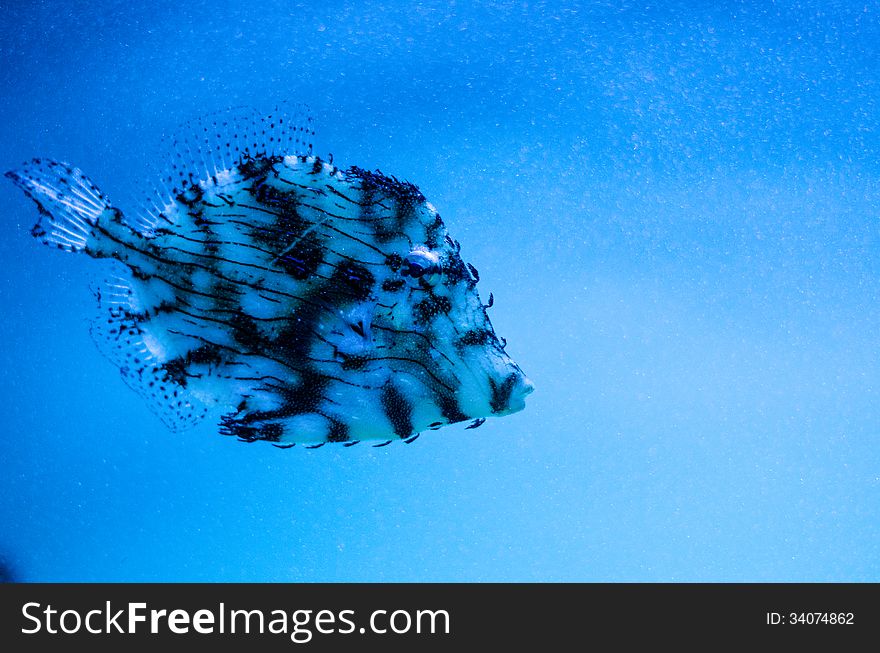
<point x="297" y="301"/>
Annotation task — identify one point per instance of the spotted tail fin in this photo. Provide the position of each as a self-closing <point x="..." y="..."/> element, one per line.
<point x="69" y="203"/>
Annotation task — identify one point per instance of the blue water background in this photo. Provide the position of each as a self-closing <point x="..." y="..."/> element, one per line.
<point x="676" y="205"/>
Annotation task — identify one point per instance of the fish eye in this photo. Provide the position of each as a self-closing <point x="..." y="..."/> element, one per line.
<point x="421" y="265"/>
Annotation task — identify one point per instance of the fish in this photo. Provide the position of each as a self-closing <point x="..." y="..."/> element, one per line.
<point x="296" y="301"/>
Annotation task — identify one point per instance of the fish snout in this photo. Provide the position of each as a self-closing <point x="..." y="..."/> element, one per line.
<point x="522" y="388"/>
<point x="509" y="396"/>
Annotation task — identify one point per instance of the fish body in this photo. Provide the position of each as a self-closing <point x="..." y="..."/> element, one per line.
<point x="302" y="302"/>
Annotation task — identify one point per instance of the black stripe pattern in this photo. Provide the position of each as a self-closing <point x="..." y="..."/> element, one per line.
<point x="276" y="292"/>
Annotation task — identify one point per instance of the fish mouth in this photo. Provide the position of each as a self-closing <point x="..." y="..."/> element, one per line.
<point x="510" y="396"/>
<point x="523" y="388"/>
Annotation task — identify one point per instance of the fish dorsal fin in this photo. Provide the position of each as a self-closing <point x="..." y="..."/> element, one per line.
<point x="206" y="146"/>
<point x="118" y="336"/>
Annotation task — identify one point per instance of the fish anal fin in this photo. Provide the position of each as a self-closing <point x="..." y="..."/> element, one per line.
<point x="119" y="335"/>
<point x="169" y="400"/>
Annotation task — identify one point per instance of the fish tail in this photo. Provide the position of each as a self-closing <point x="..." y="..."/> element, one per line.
<point x="70" y="204"/>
